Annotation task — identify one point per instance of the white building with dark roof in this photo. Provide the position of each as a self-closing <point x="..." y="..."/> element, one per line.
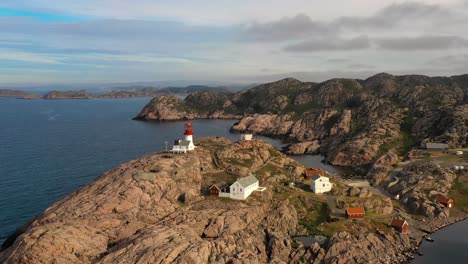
<point x="320" y="184"/>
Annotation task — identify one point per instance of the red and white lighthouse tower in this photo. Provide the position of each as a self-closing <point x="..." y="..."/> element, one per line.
<point x="188" y="132"/>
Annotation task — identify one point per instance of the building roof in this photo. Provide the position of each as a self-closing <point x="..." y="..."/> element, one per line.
<point x="436" y="145"/>
<point x="310" y="172"/>
<point x="220" y="185"/>
<point x="355" y="210"/>
<point x="247" y="181"/>
<point x="185" y="143"/>
<point x="398" y="222"/>
<point x="442" y="199"/>
<point x="317" y="176"/>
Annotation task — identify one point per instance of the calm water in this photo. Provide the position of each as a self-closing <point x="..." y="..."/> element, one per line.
<point x="50" y="148"/>
<point x="450" y="246"/>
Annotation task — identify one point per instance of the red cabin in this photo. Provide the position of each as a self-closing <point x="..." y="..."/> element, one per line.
<point x="311" y="172"/>
<point x="355" y="213"/>
<point x="216" y="188"/>
<point x="445" y="201"/>
<point x="400" y="225"/>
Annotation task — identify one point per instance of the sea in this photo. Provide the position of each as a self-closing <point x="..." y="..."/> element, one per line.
<point x="50" y="148"/>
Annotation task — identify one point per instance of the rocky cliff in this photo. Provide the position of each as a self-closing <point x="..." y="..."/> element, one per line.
<point x="155" y="210"/>
<point x="351" y="122"/>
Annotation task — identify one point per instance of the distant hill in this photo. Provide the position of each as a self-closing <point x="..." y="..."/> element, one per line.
<point x="17" y="94"/>
<point x="352" y="122"/>
<point x="122" y="92"/>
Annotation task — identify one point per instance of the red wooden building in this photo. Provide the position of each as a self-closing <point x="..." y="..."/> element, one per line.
<point x="355" y="213"/>
<point x="400" y="225"/>
<point x="216" y="188"/>
<point x="311" y="172"/>
<point x="445" y="201"/>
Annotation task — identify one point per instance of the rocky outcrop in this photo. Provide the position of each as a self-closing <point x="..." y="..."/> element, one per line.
<point x="380" y="169"/>
<point x="367" y="248"/>
<point x="75" y="94"/>
<point x="154" y="210"/>
<point x="446" y="124"/>
<point x="306" y="147"/>
<point x="419" y="184"/>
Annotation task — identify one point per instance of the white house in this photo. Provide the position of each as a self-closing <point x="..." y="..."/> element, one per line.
<point x="320" y="184"/>
<point x="243" y="187"/>
<point x="182" y="146"/>
<point x="246" y="136"/>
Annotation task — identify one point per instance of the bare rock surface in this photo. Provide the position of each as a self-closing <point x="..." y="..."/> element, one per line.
<point x="420" y="183"/>
<point x="154" y="210"/>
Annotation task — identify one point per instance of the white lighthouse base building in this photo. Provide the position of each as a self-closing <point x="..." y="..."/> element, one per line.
<point x="182" y="146"/>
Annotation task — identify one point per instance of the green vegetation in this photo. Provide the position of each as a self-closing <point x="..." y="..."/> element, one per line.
<point x="331" y="121"/>
<point x="273" y="153"/>
<point x="350" y="85"/>
<point x="239" y="162"/>
<point x="313" y="219"/>
<point x="455" y="158"/>
<point x="459" y="193"/>
<point x="405" y="142"/>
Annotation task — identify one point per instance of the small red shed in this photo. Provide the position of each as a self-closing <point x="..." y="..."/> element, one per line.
<point x="400" y="225"/>
<point x="445" y="201"/>
<point x="311" y="172"/>
<point x="355" y="213"/>
<point x="216" y="188"/>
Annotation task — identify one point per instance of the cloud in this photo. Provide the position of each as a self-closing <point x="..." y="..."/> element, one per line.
<point x="389" y="17"/>
<point x="357" y="43"/>
<point x="422" y="43"/>
<point x="300" y="25"/>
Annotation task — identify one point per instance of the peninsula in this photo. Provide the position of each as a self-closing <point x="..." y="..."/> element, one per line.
<point x="157" y="209"/>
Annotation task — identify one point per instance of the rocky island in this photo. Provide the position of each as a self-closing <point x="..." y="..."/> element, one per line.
<point x="156" y="209"/>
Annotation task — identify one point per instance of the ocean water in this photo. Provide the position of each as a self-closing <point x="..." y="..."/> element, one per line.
<point x="450" y="246"/>
<point x="50" y="148"/>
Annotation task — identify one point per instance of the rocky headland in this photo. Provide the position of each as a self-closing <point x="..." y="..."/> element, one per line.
<point x="18" y="94"/>
<point x="351" y="122"/>
<point x="155" y="209"/>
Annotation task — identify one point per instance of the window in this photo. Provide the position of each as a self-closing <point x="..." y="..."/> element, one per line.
<point x="324" y="185"/>
<point x="240" y="190"/>
<point x="233" y="189"/>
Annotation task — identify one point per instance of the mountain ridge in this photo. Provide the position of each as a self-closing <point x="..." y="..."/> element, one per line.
<point x="351" y="122"/>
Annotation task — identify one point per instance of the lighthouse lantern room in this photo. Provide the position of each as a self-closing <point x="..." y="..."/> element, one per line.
<point x="182" y="146"/>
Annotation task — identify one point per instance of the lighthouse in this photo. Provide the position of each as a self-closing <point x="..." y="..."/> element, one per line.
<point x="182" y="146"/>
<point x="188" y="132"/>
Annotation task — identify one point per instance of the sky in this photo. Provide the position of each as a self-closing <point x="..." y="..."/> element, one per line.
<point x="236" y="41"/>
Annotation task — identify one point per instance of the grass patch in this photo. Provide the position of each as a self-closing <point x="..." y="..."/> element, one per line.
<point x="313" y="219"/>
<point x="273" y="153"/>
<point x="459" y="193"/>
<point x="238" y="162"/>
<point x="455" y="158"/>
